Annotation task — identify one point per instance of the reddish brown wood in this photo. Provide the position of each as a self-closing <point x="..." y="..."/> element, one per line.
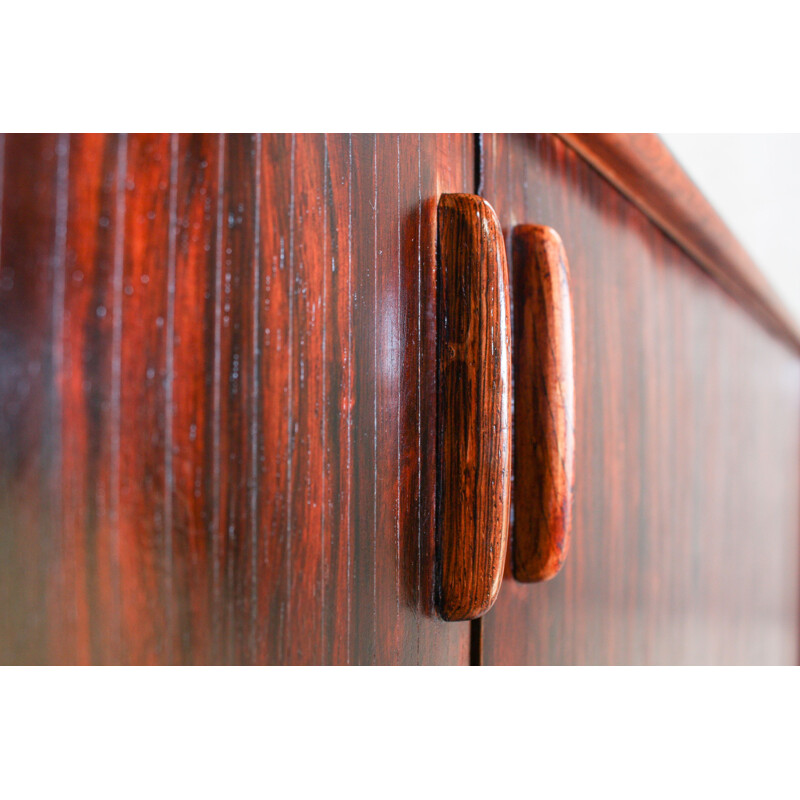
<point x="218" y="383"/>
<point x="30" y="255"/>
<point x="195" y="547"/>
<point x="276" y="410"/>
<point x="641" y="166"/>
<point x="143" y="283"/>
<point x="686" y="517"/>
<point x="336" y="556"/>
<point x="544" y="402"/>
<point x="218" y="398"/>
<point x="474" y="413"/>
<point x="90" y="396"/>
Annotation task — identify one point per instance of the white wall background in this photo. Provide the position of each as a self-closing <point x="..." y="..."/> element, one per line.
<point x="753" y="181"/>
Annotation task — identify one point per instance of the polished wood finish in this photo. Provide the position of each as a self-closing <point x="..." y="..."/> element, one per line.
<point x="641" y="166"/>
<point x="217" y="398"/>
<point x="474" y="425"/>
<point x="218" y="409"/>
<point x="686" y="518"/>
<point x="544" y="402"/>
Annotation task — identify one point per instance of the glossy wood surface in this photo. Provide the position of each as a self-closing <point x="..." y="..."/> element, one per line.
<point x="474" y="424"/>
<point x="642" y="167"/>
<point x="217" y="398"/>
<point x="544" y="399"/>
<point x="218" y="372"/>
<point x="686" y="520"/>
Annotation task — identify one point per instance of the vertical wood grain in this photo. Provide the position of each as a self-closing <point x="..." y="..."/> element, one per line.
<point x="684" y="543"/>
<point x="412" y="532"/>
<point x="336" y="552"/>
<point x="446" y="161"/>
<point x="237" y="523"/>
<point x="473" y="416"/>
<point x="277" y="416"/>
<point x="141" y="297"/>
<point x="88" y="436"/>
<point x="544" y="451"/>
<point x="364" y="465"/>
<point x="307" y="530"/>
<point x="388" y="366"/>
<point x="192" y="410"/>
<point x="227" y="363"/>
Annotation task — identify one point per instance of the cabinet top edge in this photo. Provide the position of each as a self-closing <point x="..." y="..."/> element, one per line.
<point x="641" y="167"/>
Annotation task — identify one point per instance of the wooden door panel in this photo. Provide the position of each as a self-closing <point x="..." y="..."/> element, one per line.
<point x="684" y="543"/>
<point x="218" y="370"/>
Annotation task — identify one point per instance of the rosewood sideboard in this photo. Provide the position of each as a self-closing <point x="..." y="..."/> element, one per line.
<point x="387" y="399"/>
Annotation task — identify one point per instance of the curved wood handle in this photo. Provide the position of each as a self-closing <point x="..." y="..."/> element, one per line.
<point x="544" y="405"/>
<point x="474" y="412"/>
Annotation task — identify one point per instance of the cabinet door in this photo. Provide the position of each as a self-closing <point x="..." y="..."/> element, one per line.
<point x="685" y="522"/>
<point x="217" y="376"/>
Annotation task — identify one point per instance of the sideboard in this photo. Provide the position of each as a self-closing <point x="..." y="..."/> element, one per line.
<point x="220" y="376"/>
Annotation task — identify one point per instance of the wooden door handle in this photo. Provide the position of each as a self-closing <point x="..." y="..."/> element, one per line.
<point x="474" y="407"/>
<point x="544" y="404"/>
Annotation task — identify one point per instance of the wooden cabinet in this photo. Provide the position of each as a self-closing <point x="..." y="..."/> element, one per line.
<point x="685" y="519"/>
<point x="218" y="400"/>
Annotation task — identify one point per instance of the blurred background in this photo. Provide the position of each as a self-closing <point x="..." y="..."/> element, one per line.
<point x="753" y="181"/>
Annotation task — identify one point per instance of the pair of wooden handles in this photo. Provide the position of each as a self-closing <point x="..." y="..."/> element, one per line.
<point x="474" y="444"/>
